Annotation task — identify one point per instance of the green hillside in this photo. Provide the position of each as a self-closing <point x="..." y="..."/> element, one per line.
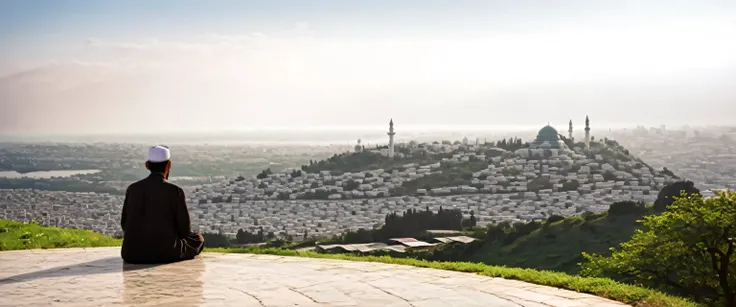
<point x="558" y="246"/>
<point x="558" y="243"/>
<point x="16" y="235"/>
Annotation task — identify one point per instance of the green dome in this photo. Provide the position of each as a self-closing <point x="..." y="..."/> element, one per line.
<point x="549" y="135"/>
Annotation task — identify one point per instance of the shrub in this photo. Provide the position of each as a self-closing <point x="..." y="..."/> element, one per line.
<point x="570" y="185"/>
<point x="687" y="250"/>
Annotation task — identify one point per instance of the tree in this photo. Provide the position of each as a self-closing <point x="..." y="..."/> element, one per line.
<point x="669" y="192"/>
<point x="412" y="223"/>
<point x="609" y="176"/>
<point x="470" y="222"/>
<point x="215" y="240"/>
<point x="495" y="233"/>
<point x="570" y="185"/>
<point x="264" y="173"/>
<point x="539" y="183"/>
<point x="260" y="236"/>
<point x="350" y="185"/>
<point x="686" y="250"/>
<point x="668" y="172"/>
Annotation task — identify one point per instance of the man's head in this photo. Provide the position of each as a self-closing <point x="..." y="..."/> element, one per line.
<point x="159" y="160"/>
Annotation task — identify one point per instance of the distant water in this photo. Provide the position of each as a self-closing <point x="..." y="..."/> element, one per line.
<point x="46" y="174"/>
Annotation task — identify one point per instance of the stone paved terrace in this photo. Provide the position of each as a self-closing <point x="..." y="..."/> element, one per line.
<point x="97" y="277"/>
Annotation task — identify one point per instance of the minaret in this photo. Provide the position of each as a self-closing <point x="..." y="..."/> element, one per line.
<point x="569" y="131"/>
<point x="391" y="134"/>
<point x="587" y="132"/>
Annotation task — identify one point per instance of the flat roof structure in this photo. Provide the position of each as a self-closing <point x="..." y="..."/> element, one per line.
<point x="411" y="242"/>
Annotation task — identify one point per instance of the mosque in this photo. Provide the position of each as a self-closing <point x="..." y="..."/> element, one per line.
<point x="547" y="138"/>
<point x="548" y="143"/>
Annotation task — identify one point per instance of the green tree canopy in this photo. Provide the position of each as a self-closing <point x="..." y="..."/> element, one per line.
<point x="687" y="250"/>
<point x="669" y="192"/>
<point x="263" y="174"/>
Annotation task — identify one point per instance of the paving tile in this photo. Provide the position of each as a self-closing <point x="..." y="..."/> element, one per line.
<point x="97" y="277"/>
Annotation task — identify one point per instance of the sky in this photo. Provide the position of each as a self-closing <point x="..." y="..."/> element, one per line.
<point x="88" y="67"/>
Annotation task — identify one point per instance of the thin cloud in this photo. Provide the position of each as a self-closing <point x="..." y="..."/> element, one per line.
<point x="219" y="80"/>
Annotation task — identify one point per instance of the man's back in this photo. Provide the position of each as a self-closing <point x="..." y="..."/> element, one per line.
<point x="154" y="219"/>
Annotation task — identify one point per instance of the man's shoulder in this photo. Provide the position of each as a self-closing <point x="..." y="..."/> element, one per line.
<point x="135" y="186"/>
<point x="173" y="186"/>
<point x="156" y="184"/>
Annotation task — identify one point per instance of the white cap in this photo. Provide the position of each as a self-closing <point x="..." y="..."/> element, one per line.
<point x="159" y="154"/>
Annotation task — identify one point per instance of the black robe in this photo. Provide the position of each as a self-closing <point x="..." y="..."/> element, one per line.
<point x="156" y="224"/>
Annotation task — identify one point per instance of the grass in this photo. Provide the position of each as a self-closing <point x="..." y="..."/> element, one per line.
<point x="15" y="235"/>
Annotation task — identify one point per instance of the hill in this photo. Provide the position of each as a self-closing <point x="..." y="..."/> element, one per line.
<point x="495" y="182"/>
<point x="15" y="236"/>
<point x="437" y="169"/>
<point x="557" y="243"/>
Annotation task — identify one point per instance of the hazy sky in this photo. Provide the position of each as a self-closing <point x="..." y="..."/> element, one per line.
<point x="134" y="66"/>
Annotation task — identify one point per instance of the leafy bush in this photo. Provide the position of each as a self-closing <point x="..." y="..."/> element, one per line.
<point x="609" y="176"/>
<point x="668" y="193"/>
<point x="215" y="240"/>
<point x="570" y="185"/>
<point x="263" y="174"/>
<point x="687" y="250"/>
<point x="539" y="183"/>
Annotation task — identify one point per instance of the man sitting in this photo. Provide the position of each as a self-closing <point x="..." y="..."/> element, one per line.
<point x="155" y="218"/>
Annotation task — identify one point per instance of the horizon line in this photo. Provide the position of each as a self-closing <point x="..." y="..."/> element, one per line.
<point x="376" y="128"/>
